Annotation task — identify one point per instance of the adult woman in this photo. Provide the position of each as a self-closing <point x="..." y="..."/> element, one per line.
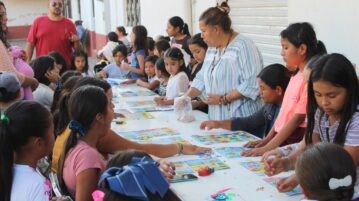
<point x="6" y="62"/>
<point x="228" y="74"/>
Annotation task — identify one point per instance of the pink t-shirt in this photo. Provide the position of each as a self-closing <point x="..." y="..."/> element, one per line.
<point x="294" y="101"/>
<point x="78" y="159"/>
<point x="6" y="62"/>
<point x="48" y="35"/>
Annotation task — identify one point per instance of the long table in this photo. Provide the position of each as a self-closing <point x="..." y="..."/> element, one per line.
<point x="244" y="184"/>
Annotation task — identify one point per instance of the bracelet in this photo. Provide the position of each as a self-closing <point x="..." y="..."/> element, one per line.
<point x="180" y="149"/>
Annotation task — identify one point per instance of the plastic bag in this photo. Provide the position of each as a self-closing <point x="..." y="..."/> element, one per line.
<point x="183" y="109"/>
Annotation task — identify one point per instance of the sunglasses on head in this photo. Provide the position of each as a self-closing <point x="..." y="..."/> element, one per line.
<point x="54" y="4"/>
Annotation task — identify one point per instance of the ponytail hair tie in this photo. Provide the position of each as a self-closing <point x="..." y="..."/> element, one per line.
<point x="337" y="183"/>
<point x="5" y="119"/>
<point x="76" y="126"/>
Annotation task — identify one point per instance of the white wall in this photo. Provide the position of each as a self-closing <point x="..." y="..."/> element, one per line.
<point x="23" y="12"/>
<point x="335" y="22"/>
<point x="155" y="14"/>
<point x="198" y="7"/>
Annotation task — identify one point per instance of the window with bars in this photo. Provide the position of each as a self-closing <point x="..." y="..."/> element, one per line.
<point x="133" y="13"/>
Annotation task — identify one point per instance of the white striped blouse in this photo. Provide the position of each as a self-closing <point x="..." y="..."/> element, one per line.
<point x="237" y="68"/>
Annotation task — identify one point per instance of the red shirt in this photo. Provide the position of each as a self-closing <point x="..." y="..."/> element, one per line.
<point x="48" y="35"/>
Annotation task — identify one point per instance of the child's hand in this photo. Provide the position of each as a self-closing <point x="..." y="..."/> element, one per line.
<point x="254" y="152"/>
<point x="159" y="100"/>
<point x="125" y="66"/>
<point x="167" y="168"/>
<point x="255" y="144"/>
<point x="139" y="82"/>
<point x="273" y="165"/>
<point x="190" y="149"/>
<point x="287" y="184"/>
<point x="52" y="76"/>
<point x="208" y="125"/>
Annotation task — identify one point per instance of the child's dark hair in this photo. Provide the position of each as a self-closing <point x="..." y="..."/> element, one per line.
<point x="177" y="21"/>
<point x="275" y="75"/>
<point x="161" y="37"/>
<point x="339" y="71"/>
<point x="151" y="59"/>
<point x="150" y="43"/>
<point x="197" y="40"/>
<point x="83" y="106"/>
<point x="122" y="30"/>
<point x="303" y="33"/>
<point x="59" y="59"/>
<point x="123" y="158"/>
<point x="41" y="65"/>
<point x="79" y="53"/>
<point x="62" y="115"/>
<point x="176" y="54"/>
<point x="120" y="48"/>
<point x="20" y="122"/>
<point x="162" y="46"/>
<point x="141" y="38"/>
<point x="160" y="65"/>
<point x="218" y="15"/>
<point x="320" y="163"/>
<point x="64" y="85"/>
<point x="112" y="36"/>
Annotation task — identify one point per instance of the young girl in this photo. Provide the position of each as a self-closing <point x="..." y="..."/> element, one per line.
<point x="152" y="81"/>
<point x="333" y="98"/>
<point x="122" y="36"/>
<point x="26" y="136"/>
<point x="299" y="45"/>
<point x="91" y="112"/>
<point x="178" y="82"/>
<point x="79" y="62"/>
<point x="106" y="51"/>
<point x="150" y="46"/>
<point x="178" y="30"/>
<point x="46" y="73"/>
<point x="198" y="49"/>
<point x="114" y="70"/>
<point x="139" y="51"/>
<point x="133" y="160"/>
<point x="163" y="75"/>
<point x="60" y="61"/>
<point x="160" y="47"/>
<point x="273" y="81"/>
<point x="326" y="172"/>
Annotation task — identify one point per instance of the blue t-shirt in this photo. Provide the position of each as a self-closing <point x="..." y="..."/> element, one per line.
<point x="114" y="71"/>
<point x="134" y="62"/>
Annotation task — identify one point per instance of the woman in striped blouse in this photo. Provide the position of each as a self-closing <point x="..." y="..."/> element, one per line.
<point x="228" y="74"/>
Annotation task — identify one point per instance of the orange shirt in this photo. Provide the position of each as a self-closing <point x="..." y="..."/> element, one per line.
<point x="294" y="101"/>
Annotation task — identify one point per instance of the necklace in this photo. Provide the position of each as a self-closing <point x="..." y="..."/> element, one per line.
<point x="220" y="54"/>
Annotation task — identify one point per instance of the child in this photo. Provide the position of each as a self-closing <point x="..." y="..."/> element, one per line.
<point x="160" y="47"/>
<point x="152" y="81"/>
<point x="333" y="98"/>
<point x="114" y="70"/>
<point x="326" y="172"/>
<point x="198" y="49"/>
<point x="9" y="89"/>
<point x="178" y="30"/>
<point x="150" y="46"/>
<point x="141" y="165"/>
<point x="79" y="62"/>
<point x="91" y="111"/>
<point x="163" y="75"/>
<point x="121" y="33"/>
<point x="46" y="73"/>
<point x="60" y="61"/>
<point x="178" y="82"/>
<point x="26" y="136"/>
<point x="106" y="51"/>
<point x="139" y="52"/>
<point x="299" y="45"/>
<point x="273" y="81"/>
<point x="21" y="66"/>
